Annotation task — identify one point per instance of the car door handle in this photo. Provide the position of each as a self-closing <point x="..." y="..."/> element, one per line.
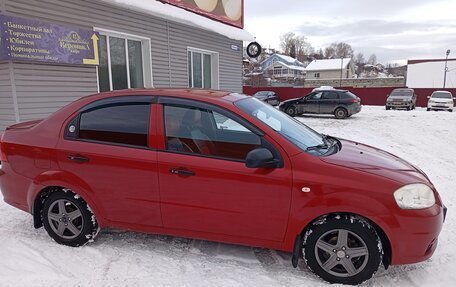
<point x="78" y="158"/>
<point x="180" y="171"/>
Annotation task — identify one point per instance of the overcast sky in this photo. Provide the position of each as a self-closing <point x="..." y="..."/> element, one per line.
<point x="392" y="29"/>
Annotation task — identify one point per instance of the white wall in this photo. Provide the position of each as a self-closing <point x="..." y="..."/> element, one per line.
<point x="430" y="75"/>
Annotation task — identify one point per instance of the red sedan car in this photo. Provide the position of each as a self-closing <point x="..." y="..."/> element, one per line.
<point x="224" y="167"/>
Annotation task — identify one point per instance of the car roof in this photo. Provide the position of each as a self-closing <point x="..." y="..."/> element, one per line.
<point x="186" y="93"/>
<point x="331" y="90"/>
<point x="443" y="92"/>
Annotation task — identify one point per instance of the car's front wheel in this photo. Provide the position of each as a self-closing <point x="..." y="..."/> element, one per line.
<point x="291" y="111"/>
<point x="343" y="249"/>
<point x="68" y="219"/>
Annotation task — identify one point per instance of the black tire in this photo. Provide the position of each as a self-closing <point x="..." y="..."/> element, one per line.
<point x="291" y="111"/>
<point x="428" y="109"/>
<point x="54" y="219"/>
<point x="254" y="50"/>
<point x="388" y="108"/>
<point x="341" y="113"/>
<point x="360" y="235"/>
<point x="450" y="110"/>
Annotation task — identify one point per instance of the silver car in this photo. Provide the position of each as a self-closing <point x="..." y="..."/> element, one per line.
<point x="401" y="99"/>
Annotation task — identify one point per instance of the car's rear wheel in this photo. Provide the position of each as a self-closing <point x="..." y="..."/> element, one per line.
<point x="343" y="249"/>
<point x="340" y="113"/>
<point x="291" y="111"/>
<point x="68" y="219"/>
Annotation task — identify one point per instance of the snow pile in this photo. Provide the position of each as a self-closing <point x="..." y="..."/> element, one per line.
<point x="170" y="12"/>
<point x="426" y="139"/>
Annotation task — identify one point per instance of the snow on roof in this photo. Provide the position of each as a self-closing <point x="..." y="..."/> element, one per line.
<point x="180" y="15"/>
<point x="293" y="67"/>
<point x="327" y="64"/>
<point x="287" y="58"/>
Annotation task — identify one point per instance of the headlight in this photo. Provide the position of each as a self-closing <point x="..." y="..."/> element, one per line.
<point x="414" y="196"/>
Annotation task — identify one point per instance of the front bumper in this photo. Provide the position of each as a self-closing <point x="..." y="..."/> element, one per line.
<point x="398" y="104"/>
<point x="416" y="236"/>
<point x="440" y="106"/>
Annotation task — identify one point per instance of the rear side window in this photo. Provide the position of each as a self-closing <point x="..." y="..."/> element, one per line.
<point x="330" y="96"/>
<point x="126" y="124"/>
<point x="348" y="95"/>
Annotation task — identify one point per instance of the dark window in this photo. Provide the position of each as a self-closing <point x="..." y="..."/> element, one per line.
<point x="121" y="124"/>
<point x="315" y="96"/>
<point x="200" y="131"/>
<point x="330" y="96"/>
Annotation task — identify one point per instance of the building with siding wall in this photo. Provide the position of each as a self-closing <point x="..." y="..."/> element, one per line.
<point x="33" y="90"/>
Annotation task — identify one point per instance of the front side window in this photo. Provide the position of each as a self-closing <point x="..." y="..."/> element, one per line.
<point x="205" y="132"/>
<point x="121" y="63"/>
<point x="315" y="96"/>
<point x="200" y="69"/>
<point x="120" y="124"/>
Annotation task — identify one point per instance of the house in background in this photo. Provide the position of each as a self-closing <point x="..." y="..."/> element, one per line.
<point x="283" y="67"/>
<point x="330" y="69"/>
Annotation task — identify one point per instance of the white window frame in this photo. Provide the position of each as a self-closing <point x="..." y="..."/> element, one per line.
<point x="215" y="66"/>
<point x="146" y="56"/>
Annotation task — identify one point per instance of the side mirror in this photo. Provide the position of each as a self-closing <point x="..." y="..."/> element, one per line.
<point x="260" y="158"/>
<point x="454" y="98"/>
<point x="428" y="97"/>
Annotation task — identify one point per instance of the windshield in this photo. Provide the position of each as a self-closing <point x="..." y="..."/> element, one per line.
<point x="442" y="95"/>
<point x="296" y="132"/>
<point x="401" y="93"/>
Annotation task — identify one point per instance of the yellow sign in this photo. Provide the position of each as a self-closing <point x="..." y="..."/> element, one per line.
<point x="95" y="60"/>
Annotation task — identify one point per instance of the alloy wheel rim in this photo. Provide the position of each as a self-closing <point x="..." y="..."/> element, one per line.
<point x="65" y="219"/>
<point x="341" y="253"/>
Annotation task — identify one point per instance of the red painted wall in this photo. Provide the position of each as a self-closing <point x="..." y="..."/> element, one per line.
<point x="369" y="96"/>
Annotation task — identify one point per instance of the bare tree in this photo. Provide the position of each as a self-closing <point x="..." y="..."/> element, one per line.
<point x="359" y="59"/>
<point x="295" y="46"/>
<point x="372" y="59"/>
<point x="339" y="50"/>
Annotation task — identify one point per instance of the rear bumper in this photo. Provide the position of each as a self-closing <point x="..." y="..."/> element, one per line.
<point x="354" y="109"/>
<point x="14" y="187"/>
<point x="416" y="237"/>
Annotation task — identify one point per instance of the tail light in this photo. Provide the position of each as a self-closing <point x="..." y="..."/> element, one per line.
<point x="2" y="150"/>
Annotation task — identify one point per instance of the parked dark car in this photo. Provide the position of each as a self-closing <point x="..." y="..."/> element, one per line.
<point x="268" y="97"/>
<point x="401" y="99"/>
<point x="340" y="103"/>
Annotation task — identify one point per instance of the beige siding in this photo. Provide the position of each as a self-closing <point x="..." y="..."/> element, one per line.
<point x="7" y="116"/>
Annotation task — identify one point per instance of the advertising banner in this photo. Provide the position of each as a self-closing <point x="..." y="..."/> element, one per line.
<point x="36" y="41"/>
<point x="226" y="11"/>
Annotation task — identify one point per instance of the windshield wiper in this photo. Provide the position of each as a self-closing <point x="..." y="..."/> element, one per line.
<point x="317" y="147"/>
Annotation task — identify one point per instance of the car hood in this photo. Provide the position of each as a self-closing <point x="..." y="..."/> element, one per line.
<point x="399" y="98"/>
<point x="440" y="100"/>
<point x="376" y="161"/>
<point x="290" y="100"/>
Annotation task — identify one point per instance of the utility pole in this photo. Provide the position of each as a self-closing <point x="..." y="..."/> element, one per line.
<point x="446" y="68"/>
<point x="341" y="70"/>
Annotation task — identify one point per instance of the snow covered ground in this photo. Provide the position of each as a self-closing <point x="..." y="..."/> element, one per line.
<point x="28" y="257"/>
